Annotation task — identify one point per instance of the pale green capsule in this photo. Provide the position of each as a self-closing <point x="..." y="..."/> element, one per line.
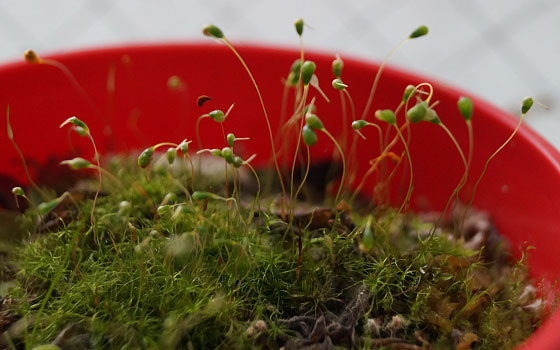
<point x="227" y="154"/>
<point x="408" y="92"/>
<point x="386" y="115"/>
<point x="171" y="153"/>
<point x="184" y="147"/>
<point x="202" y="195"/>
<point x="367" y="237"/>
<point x="432" y="117"/>
<point x="358" y="124"/>
<point x="163" y="209"/>
<point x="216" y="152"/>
<point x="230" y="139"/>
<point x="77" y="163"/>
<point x="18" y="191"/>
<point x="45" y="207"/>
<point x="417" y="113"/>
<point x="217" y="115"/>
<point x="76" y="122"/>
<point x="338" y="84"/>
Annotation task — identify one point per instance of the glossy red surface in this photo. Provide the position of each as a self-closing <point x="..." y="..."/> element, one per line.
<point x="521" y="188"/>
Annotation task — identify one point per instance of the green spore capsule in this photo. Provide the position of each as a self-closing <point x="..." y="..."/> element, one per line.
<point x="184" y="147"/>
<point x="309" y="135"/>
<point x="230" y="139"/>
<point x="18" y="191"/>
<point x="432" y="116"/>
<point x="216" y="152"/>
<point x="227" y="153"/>
<point x="163" y="209"/>
<point x="337" y="66"/>
<point x="171" y="153"/>
<point x="237" y="161"/>
<point x="76" y="122"/>
<point x="217" y="115"/>
<point x="45" y="207"/>
<point x="417" y="113"/>
<point x="170" y="197"/>
<point x="296" y="66"/>
<point x="358" y="124"/>
<point x="124" y="208"/>
<point x="307" y="70"/>
<point x="313" y="121"/>
<point x="202" y="195"/>
<point x="292" y="79"/>
<point x="77" y="163"/>
<point x="310" y="108"/>
<point x="526" y="104"/>
<point x="145" y="158"/>
<point x="80" y="131"/>
<point x="465" y="107"/>
<point x="408" y="92"/>
<point x="367" y="237"/>
<point x="338" y="84"/>
<point x="418" y="32"/>
<point x="386" y="115"/>
<point x="212" y="31"/>
<point x="298" y="23"/>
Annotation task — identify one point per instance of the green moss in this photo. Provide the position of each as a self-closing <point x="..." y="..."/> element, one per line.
<point x="199" y="276"/>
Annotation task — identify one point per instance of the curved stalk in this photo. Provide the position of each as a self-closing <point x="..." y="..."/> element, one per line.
<point x="274" y="157"/>
<point x="343" y="177"/>
<point x="406" y="201"/>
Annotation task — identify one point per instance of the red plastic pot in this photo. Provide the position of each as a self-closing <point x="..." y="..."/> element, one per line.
<point x="520" y="189"/>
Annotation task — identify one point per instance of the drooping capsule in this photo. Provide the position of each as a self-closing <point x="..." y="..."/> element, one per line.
<point x="77" y="163"/>
<point x="309" y="136"/>
<point x="526" y="104"/>
<point x="408" y="92"/>
<point x="217" y="115"/>
<point x="313" y="121"/>
<point x="145" y="158"/>
<point x="358" y="124"/>
<point x="417" y="113"/>
<point x="386" y="115"/>
<point x="338" y="84"/>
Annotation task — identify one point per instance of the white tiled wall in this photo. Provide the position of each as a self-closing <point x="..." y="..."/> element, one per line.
<point x="501" y="50"/>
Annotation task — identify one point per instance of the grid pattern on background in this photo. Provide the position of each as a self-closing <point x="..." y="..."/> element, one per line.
<point x="501" y="50"/>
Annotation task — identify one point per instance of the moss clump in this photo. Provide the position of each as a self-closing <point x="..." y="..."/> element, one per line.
<point x="168" y="272"/>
